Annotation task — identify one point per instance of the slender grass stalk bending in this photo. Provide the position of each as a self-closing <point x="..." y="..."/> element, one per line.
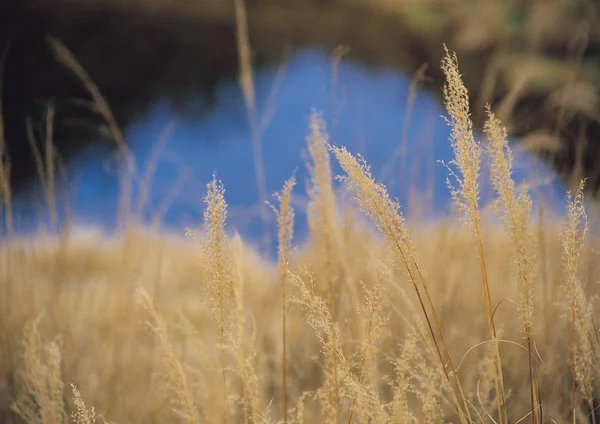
<point x="516" y="217"/>
<point x="375" y="202"/>
<point x="101" y="106"/>
<point x="467" y="152"/>
<point x="182" y="400"/>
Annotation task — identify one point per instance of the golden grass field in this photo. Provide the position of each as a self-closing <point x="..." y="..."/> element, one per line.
<point x="374" y="320"/>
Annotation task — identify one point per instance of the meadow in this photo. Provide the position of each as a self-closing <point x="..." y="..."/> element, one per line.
<point x="487" y="316"/>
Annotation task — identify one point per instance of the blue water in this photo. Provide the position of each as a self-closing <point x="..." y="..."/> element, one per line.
<point x="371" y="108"/>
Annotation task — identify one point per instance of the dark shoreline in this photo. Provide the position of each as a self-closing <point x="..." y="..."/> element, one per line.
<point x="137" y="52"/>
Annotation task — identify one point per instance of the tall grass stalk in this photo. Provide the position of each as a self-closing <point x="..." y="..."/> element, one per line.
<point x="338" y="54"/>
<point x="372" y="321"/>
<point x="400" y="405"/>
<point x="50" y="156"/>
<point x="46" y="163"/>
<point x="217" y="264"/>
<point x="5" y="186"/>
<point x="325" y="236"/>
<point x="5" y="192"/>
<point x="516" y="217"/>
<point x="467" y="152"/>
<point x="374" y="200"/>
<point x="64" y="56"/>
<point x="246" y="82"/>
<point x="318" y="316"/>
<point x="239" y="345"/>
<point x="244" y="351"/>
<point x="573" y="235"/>
<point x="285" y="221"/>
<point x="322" y="213"/>
<point x="182" y="399"/>
<point x="416" y="82"/>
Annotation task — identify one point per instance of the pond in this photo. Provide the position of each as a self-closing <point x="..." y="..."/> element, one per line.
<point x="373" y="117"/>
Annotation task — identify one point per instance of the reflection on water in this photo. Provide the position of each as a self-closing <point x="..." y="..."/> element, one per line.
<point x="176" y="156"/>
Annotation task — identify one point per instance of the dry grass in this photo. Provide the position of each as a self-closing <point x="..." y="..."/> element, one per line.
<point x="285" y="220"/>
<point x="410" y="323"/>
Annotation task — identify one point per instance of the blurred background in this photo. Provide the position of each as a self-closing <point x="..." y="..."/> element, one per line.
<point x="84" y="84"/>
